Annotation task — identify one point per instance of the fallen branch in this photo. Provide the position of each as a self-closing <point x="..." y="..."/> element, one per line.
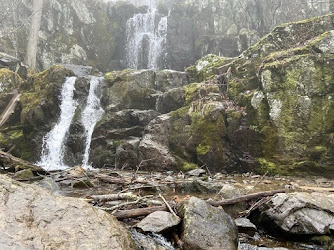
<point x="125" y="214"/>
<point x="113" y="197"/>
<point x="124" y="204"/>
<point x="168" y="206"/>
<point x="244" y="198"/>
<point x="9" y="110"/>
<point x="13" y="163"/>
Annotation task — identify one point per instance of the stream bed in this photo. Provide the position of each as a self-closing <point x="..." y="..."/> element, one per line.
<point x="177" y="187"/>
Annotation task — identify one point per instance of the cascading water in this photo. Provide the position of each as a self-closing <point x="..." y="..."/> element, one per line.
<point x="145" y="42"/>
<point x="90" y="116"/>
<point x="53" y="142"/>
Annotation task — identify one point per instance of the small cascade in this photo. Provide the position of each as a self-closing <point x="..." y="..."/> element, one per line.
<point x="53" y="142"/>
<point x="146" y="41"/>
<point x="90" y="116"/>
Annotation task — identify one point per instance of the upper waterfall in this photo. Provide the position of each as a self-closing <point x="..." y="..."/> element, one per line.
<point x="146" y="39"/>
<point x="53" y="142"/>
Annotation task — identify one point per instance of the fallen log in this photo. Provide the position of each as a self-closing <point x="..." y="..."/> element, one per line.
<point x="133" y="213"/>
<point x="113" y="197"/>
<point x="9" y="110"/>
<point x="244" y="198"/>
<point x="13" y="163"/>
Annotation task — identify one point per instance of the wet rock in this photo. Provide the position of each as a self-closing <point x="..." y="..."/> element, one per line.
<point x="158" y="222"/>
<point x="25" y="174"/>
<point x="245" y="226"/>
<point x="151" y="241"/>
<point x="154" y="147"/>
<point x="169" y="79"/>
<point x="229" y="191"/>
<point x="79" y="70"/>
<point x="13" y="64"/>
<point x="299" y="213"/>
<point x="33" y="218"/>
<point x="170" y="100"/>
<point x="206" y="227"/>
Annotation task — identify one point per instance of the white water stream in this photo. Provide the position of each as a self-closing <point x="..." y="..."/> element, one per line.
<point x="146" y="41"/>
<point x="53" y="142"/>
<point x="90" y="116"/>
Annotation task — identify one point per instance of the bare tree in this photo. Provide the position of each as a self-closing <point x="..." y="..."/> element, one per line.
<point x="31" y="52"/>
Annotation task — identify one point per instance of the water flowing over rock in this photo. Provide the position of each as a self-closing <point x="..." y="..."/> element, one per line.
<point x="90" y="116"/>
<point x="53" y="149"/>
<point x="146" y="40"/>
<point x="33" y="218"/>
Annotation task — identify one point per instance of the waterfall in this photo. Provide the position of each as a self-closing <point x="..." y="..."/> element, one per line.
<point x="53" y="142"/>
<point x="145" y="42"/>
<point x="90" y="116"/>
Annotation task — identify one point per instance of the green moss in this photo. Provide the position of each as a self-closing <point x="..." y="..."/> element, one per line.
<point x="16" y="134"/>
<point x="205" y="68"/>
<point x="3" y="139"/>
<point x="202" y="149"/>
<point x="264" y="166"/>
<point x="191" y="91"/>
<point x="117" y="143"/>
<point x="188" y="166"/>
<point x="323" y="240"/>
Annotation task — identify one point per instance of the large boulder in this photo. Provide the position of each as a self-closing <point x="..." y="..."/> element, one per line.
<point x="34" y="218"/>
<point x="299" y="214"/>
<point x="205" y="227"/>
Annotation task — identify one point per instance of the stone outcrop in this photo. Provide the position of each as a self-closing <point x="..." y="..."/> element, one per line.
<point x="34" y="218"/>
<point x="299" y="214"/>
<point x="94" y="32"/>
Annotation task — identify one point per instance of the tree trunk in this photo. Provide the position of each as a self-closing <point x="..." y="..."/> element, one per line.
<point x="31" y="53"/>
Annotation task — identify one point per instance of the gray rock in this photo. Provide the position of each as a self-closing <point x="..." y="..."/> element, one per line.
<point x="300" y="213"/>
<point x="196" y="172"/>
<point x="206" y="227"/>
<point x="158" y="222"/>
<point x="229" y="192"/>
<point x="199" y="186"/>
<point x="169" y="79"/>
<point x="33" y="218"/>
<point x="245" y="226"/>
<point x="25" y="174"/>
<point x="171" y="100"/>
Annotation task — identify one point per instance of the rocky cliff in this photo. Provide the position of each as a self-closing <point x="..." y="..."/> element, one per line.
<point x="94" y="32"/>
<point x="269" y="110"/>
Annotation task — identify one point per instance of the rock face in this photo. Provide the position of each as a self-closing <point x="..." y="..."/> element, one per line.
<point x="33" y="218"/>
<point x="299" y="213"/>
<point x="94" y="32"/>
<point x="206" y="227"/>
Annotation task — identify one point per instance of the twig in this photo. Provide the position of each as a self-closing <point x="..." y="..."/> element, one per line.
<point x="125" y="204"/>
<point x="168" y="206"/>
